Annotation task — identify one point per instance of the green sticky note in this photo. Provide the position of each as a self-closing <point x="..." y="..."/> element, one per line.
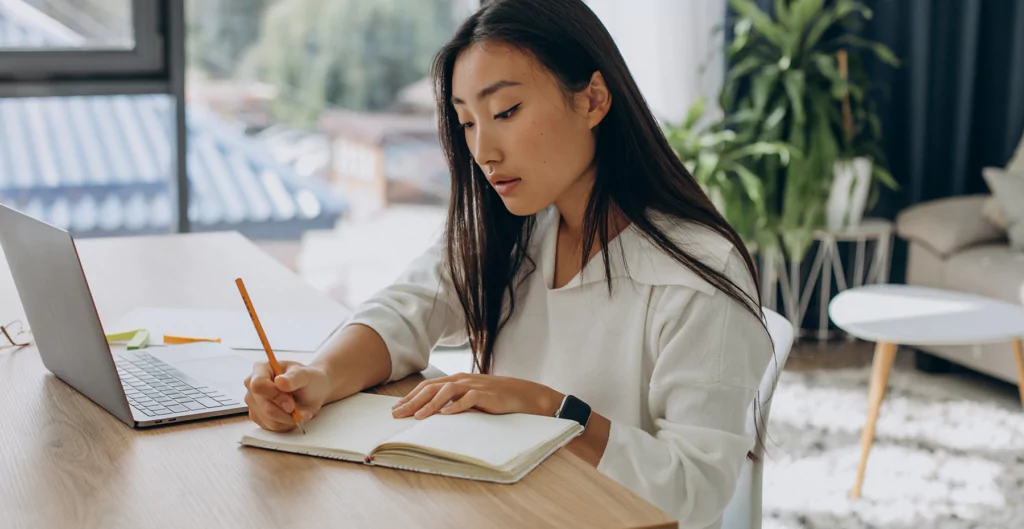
<point x="140" y="340"/>
<point x="137" y="339"/>
<point x="122" y="336"/>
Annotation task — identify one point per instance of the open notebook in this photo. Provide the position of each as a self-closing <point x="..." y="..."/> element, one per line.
<point x="471" y="445"/>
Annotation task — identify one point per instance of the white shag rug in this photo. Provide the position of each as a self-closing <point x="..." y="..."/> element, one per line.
<point x="948" y="453"/>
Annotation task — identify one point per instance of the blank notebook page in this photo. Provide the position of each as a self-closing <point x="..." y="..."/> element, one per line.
<point x="494" y="439"/>
<point x="356" y="424"/>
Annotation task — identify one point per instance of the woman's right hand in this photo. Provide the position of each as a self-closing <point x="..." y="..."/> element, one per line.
<point x="271" y="401"/>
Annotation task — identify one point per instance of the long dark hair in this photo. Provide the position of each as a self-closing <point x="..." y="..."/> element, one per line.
<point x="637" y="171"/>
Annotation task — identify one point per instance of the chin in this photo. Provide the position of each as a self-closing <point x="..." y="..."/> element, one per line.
<point x="522" y="208"/>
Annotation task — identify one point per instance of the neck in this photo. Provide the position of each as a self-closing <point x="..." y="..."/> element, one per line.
<point x="572" y="205"/>
<point x="572" y="208"/>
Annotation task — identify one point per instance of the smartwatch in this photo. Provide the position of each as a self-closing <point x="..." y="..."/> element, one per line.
<point x="574" y="409"/>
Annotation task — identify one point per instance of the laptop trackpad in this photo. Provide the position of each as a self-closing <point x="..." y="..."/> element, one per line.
<point x="212" y="363"/>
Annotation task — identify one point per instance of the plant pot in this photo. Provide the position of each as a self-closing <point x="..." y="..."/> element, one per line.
<point x="851" y="182"/>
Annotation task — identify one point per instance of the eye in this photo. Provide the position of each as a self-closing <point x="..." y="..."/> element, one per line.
<point x="508" y="113"/>
<point x="466" y="125"/>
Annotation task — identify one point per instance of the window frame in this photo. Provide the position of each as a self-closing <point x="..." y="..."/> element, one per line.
<point x="156" y="65"/>
<point x="146" y="57"/>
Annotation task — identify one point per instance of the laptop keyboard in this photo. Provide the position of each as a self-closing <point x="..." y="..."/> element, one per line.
<point x="153" y="388"/>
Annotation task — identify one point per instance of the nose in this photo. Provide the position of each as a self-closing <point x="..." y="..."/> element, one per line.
<point x="484" y="146"/>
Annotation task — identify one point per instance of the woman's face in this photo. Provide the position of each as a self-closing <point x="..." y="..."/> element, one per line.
<point x="535" y="145"/>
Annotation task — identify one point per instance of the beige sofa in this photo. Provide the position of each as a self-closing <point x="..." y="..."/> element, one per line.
<point x="953" y="246"/>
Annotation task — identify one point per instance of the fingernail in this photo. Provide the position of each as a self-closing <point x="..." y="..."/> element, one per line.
<point x="287" y="406"/>
<point x="421" y="414"/>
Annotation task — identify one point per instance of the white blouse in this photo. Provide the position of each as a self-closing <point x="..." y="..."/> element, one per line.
<point x="672" y="362"/>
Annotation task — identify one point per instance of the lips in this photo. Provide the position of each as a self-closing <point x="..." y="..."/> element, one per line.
<point x="503" y="184"/>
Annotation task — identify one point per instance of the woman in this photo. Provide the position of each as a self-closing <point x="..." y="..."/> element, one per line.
<point x="579" y="259"/>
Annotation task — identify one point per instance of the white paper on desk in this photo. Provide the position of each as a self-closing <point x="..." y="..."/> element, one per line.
<point x="285" y="330"/>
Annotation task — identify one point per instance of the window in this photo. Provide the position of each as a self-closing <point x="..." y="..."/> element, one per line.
<point x="95" y="166"/>
<point x="76" y="25"/>
<point x="336" y="95"/>
<point x="47" y="39"/>
<point x="310" y="124"/>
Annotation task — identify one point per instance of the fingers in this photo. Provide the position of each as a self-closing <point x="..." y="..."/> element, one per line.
<point x="458" y="377"/>
<point x="418" y="400"/>
<point x="260" y="382"/>
<point x="470" y="399"/>
<point x="270" y="407"/>
<point x="449" y="391"/>
<point x="267" y="415"/>
<point x="295" y="377"/>
<point x="419" y="387"/>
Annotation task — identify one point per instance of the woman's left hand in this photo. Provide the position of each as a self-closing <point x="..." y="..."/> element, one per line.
<point x="487" y="393"/>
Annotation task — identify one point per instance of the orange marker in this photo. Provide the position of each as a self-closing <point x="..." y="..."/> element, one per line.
<point x="169" y="339"/>
<point x="274" y="366"/>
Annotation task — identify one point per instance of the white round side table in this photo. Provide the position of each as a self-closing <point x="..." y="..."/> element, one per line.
<point x="894" y="315"/>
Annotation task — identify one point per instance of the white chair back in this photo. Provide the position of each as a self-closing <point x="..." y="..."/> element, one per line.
<point x="744" y="510"/>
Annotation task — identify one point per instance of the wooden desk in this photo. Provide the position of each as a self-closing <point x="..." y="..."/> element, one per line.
<point x="65" y="462"/>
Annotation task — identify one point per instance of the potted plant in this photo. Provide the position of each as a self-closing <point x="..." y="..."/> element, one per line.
<point x="861" y="160"/>
<point x="717" y="156"/>
<point x="786" y="82"/>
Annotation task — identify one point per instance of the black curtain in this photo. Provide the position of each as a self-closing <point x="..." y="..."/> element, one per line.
<point x="955" y="104"/>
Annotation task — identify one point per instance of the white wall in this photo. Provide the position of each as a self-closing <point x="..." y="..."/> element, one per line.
<point x="666" y="43"/>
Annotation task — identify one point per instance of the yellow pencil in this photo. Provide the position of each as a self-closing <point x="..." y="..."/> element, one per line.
<point x="274" y="366"/>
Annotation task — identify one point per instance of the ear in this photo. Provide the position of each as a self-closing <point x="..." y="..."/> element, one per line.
<point x="599" y="99"/>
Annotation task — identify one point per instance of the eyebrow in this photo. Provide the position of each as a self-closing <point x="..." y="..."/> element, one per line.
<point x="487" y="91"/>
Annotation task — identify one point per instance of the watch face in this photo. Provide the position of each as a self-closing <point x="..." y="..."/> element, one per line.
<point x="575" y="409"/>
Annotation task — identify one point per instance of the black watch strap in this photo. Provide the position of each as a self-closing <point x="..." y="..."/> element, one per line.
<point x="574" y="409"/>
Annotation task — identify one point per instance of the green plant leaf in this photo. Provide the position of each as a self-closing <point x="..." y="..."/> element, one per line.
<point x="741" y="35"/>
<point x="880" y="50"/>
<point x="753" y="187"/>
<point x="838" y="12"/>
<point x="762" y="23"/>
<point x="760" y="148"/>
<point x="826" y="64"/>
<point x="775" y="117"/>
<point x="731" y="84"/>
<point x="793" y="81"/>
<point x="715" y="139"/>
<point x="884" y="176"/>
<point x="695" y="112"/>
<point x="781" y="12"/>
<point x="803" y="11"/>
<point x="763" y="85"/>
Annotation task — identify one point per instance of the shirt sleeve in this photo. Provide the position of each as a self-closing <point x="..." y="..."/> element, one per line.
<point x="415" y="313"/>
<point x="710" y="354"/>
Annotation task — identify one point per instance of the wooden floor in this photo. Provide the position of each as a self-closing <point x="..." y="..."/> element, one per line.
<point x="837" y="354"/>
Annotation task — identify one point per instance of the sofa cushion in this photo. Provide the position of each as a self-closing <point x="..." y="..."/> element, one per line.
<point x="947" y="225"/>
<point x="1016" y="163"/>
<point x="993" y="270"/>
<point x="993" y="210"/>
<point x="1008" y="189"/>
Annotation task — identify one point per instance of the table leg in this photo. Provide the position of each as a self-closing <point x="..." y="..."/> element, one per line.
<point x="1018" y="353"/>
<point x="885" y="353"/>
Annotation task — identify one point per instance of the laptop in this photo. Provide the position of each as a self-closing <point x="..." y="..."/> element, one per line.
<point x="144" y="387"/>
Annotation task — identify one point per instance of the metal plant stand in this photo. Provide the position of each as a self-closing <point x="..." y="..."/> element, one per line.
<point x="777" y="274"/>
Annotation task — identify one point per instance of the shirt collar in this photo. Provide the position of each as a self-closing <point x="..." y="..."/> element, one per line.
<point x="632" y="255"/>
